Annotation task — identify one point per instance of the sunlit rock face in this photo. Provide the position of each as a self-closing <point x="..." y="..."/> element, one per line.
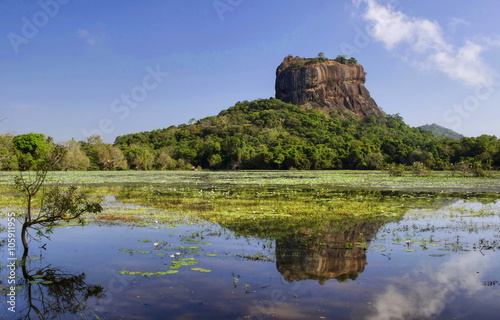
<point x="326" y="86"/>
<point x="330" y="252"/>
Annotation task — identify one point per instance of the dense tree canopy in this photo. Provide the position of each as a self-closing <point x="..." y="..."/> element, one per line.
<point x="270" y="134"/>
<point x="31" y="149"/>
<point x="264" y="134"/>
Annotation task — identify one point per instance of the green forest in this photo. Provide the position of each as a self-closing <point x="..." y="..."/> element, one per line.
<point x="263" y="134"/>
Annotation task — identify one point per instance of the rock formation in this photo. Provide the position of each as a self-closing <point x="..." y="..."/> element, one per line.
<point x="321" y="254"/>
<point x="326" y="85"/>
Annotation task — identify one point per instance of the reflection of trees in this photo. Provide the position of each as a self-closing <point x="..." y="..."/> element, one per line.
<point x="50" y="292"/>
<point x="330" y="251"/>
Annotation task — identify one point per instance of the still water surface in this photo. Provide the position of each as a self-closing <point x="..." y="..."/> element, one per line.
<point x="441" y="263"/>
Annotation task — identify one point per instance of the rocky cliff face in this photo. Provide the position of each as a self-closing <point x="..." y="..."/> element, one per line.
<point x="324" y="85"/>
<point x="321" y="254"/>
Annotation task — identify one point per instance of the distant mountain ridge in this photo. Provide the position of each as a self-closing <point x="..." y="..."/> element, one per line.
<point x="441" y="131"/>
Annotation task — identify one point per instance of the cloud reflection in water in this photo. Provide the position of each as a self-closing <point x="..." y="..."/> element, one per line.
<point x="452" y="287"/>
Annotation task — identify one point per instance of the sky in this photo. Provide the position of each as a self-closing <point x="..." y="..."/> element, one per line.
<point x="75" y="68"/>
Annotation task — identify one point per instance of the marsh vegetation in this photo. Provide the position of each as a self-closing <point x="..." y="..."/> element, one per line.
<point x="287" y="245"/>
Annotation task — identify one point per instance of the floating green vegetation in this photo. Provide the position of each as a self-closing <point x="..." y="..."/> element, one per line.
<point x="144" y="240"/>
<point x="211" y="254"/>
<point x="135" y="251"/>
<point x="189" y="240"/>
<point x="265" y="204"/>
<point x="194" y="250"/>
<point x="257" y="256"/>
<point x="363" y="245"/>
<point x="439" y="181"/>
<point x="410" y="250"/>
<point x="201" y="269"/>
<point x="177" y="264"/>
<point x="148" y="274"/>
<point x="272" y="211"/>
<point x="129" y="272"/>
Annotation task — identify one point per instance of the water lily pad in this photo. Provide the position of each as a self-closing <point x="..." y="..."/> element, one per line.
<point x="129" y="272"/>
<point x="177" y="264"/>
<point x="410" y="250"/>
<point x="144" y="240"/>
<point x="147" y="274"/>
<point x="135" y="251"/>
<point x="201" y="269"/>
<point x="166" y="272"/>
<point x="211" y="254"/>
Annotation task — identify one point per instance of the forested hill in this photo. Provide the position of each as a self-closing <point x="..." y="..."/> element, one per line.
<point x="441" y="131"/>
<point x="271" y="134"/>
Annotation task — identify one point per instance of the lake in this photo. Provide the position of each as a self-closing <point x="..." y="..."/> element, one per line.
<point x="278" y="251"/>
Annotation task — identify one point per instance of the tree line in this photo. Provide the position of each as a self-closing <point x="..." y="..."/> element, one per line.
<point x="262" y="134"/>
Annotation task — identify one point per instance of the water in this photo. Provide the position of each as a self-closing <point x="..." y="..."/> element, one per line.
<point x="439" y="263"/>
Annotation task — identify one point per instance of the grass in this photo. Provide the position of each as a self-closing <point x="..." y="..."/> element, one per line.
<point x="358" y="180"/>
<point x="267" y="204"/>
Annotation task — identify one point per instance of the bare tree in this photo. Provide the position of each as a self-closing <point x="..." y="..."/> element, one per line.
<point x="57" y="204"/>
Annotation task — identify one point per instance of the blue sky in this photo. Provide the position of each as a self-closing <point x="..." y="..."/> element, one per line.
<point x="70" y="68"/>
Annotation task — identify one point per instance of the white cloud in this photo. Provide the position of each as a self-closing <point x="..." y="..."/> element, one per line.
<point x="87" y="36"/>
<point x="489" y="41"/>
<point x="458" y="278"/>
<point x="424" y="41"/>
<point x="455" y="22"/>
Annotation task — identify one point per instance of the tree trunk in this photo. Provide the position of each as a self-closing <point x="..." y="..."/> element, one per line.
<point x="24" y="234"/>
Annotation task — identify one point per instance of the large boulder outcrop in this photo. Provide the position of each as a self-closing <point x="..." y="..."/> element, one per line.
<point x="326" y="85"/>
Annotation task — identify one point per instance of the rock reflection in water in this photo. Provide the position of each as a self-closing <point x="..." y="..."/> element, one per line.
<point x="329" y="252"/>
